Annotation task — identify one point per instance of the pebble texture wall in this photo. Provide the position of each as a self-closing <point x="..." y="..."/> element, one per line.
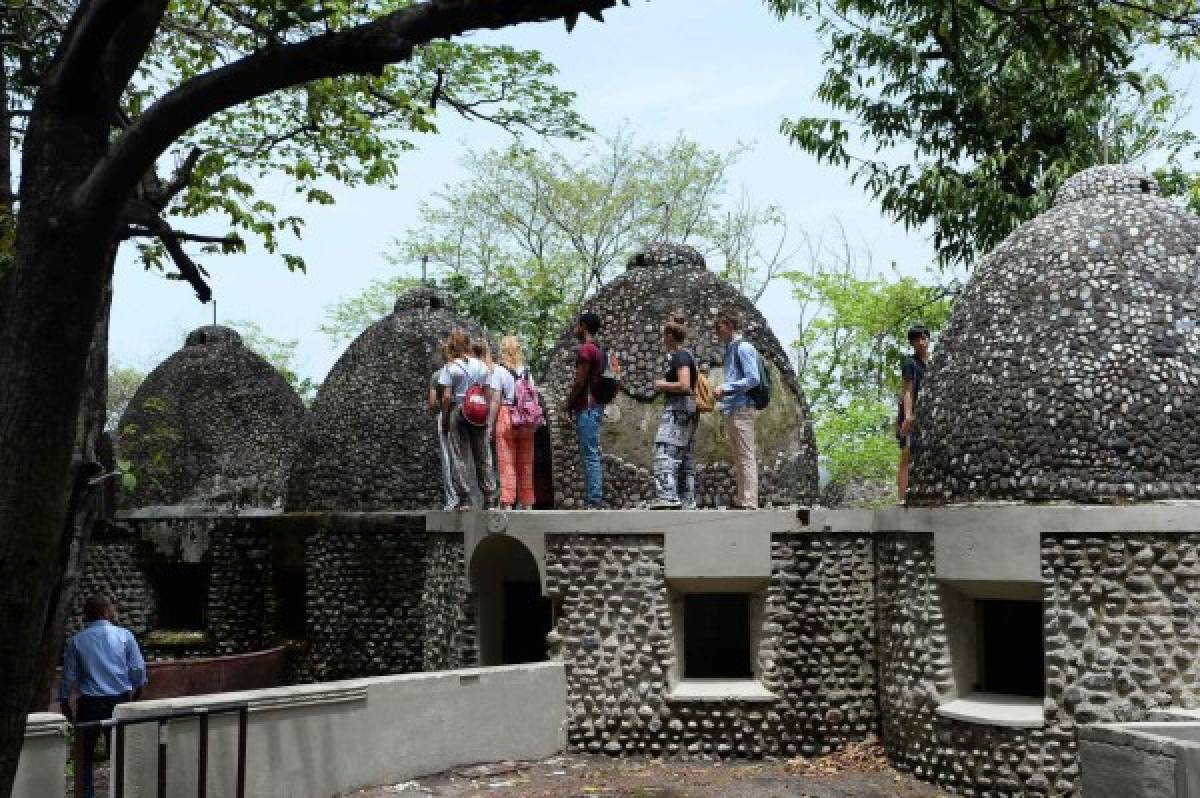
<point x="1070" y="367"/>
<point x="370" y="441"/>
<point x="128" y="561"/>
<point x="214" y="423"/>
<point x="915" y="673"/>
<point x="383" y="597"/>
<point x="657" y="281"/>
<point x="616" y="634"/>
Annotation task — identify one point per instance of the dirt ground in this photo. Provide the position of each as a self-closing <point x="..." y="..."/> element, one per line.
<point x="858" y="772"/>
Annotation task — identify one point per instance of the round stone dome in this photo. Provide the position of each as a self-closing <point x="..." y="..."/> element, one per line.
<point x="1070" y="367"/>
<point x="213" y="424"/>
<point x="370" y="442"/>
<point x="658" y="280"/>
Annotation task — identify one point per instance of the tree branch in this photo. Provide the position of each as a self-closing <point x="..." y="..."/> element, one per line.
<point x="365" y="48"/>
<point x="179" y="235"/>
<point x="189" y="270"/>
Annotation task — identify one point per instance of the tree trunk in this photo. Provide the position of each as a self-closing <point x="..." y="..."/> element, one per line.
<point x="85" y="505"/>
<point x="49" y="302"/>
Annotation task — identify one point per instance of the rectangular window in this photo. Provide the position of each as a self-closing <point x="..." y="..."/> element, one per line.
<point x="1011" y="653"/>
<point x="181" y="596"/>
<point x="717" y="636"/>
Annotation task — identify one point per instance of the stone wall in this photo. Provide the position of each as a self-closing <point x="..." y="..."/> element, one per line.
<point x="916" y="675"/>
<point x="616" y="635"/>
<point x="124" y="555"/>
<point x="383" y="597"/>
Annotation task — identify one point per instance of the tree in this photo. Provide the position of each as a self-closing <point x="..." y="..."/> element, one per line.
<point x="526" y="237"/>
<point x="986" y="107"/>
<point x="120" y="92"/>
<point x="123" y="382"/>
<point x="851" y="339"/>
<point x="280" y="353"/>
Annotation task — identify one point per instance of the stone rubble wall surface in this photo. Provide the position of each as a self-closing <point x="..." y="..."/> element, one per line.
<point x="1070" y="366"/>
<point x="915" y="675"/>
<point x="1122" y="637"/>
<point x="633" y="307"/>
<point x="213" y="424"/>
<point x="383" y="597"/>
<point x="122" y="556"/>
<point x="615" y="633"/>
<point x="370" y="442"/>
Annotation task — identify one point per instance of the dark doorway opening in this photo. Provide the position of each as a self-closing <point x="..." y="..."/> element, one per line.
<point x="716" y="636"/>
<point x="291" y="598"/>
<point x="181" y="596"/>
<point x="1011" y="650"/>
<point x="526" y="621"/>
<point x="513" y="617"/>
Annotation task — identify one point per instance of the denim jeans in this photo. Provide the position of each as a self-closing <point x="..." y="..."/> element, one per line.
<point x="587" y="424"/>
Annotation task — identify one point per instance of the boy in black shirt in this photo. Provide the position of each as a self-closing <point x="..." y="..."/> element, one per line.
<point x="912" y="373"/>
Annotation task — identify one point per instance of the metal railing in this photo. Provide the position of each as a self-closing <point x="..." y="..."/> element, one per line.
<point x="163" y="719"/>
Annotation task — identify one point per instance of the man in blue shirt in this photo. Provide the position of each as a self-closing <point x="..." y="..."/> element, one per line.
<point x="737" y="408"/>
<point x="106" y="663"/>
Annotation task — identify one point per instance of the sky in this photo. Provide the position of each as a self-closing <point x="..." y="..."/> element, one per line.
<point x="723" y="72"/>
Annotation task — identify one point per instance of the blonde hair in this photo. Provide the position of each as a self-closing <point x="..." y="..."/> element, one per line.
<point x="510" y="352"/>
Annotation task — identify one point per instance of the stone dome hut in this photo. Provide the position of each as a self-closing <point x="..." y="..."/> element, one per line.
<point x="1069" y="368"/>
<point x="213" y="424"/>
<point x="658" y="280"/>
<point x="370" y="441"/>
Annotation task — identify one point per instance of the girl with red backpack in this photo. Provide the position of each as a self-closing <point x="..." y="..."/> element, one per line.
<point x="464" y="420"/>
<point x="516" y="414"/>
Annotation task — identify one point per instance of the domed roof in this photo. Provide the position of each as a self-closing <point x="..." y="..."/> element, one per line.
<point x="1069" y="368"/>
<point x="370" y="442"/>
<point x="658" y="280"/>
<point x="214" y="423"/>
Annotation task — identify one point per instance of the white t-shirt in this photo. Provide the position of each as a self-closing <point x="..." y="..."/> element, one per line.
<point x="504" y="382"/>
<point x="459" y="374"/>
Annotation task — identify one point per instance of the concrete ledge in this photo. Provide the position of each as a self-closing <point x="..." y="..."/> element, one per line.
<point x="314" y="741"/>
<point x="720" y="691"/>
<point x="612" y="522"/>
<point x="990" y="709"/>
<point x="169" y="512"/>
<point x="1155" y="759"/>
<point x="41" y="768"/>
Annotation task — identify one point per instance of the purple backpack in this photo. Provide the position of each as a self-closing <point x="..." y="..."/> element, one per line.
<point x="526" y="410"/>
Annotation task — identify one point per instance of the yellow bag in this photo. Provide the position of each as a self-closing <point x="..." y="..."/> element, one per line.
<point x="705" y="401"/>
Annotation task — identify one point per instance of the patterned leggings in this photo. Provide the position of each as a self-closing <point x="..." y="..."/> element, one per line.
<point x="674" y="463"/>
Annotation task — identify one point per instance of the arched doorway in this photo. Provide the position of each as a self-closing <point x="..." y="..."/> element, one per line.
<point x="513" y="615"/>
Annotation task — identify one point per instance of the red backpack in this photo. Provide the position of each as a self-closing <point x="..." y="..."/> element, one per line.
<point x="475" y="405"/>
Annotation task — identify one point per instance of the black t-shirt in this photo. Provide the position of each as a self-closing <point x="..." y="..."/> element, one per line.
<point x="681" y="357"/>
<point x="912" y="369"/>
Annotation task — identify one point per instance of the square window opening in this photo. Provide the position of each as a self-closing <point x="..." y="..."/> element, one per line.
<point x="1011" y="649"/>
<point x="181" y="596"/>
<point x="717" y="636"/>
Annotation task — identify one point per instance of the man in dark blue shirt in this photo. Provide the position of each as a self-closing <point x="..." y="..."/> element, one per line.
<point x="912" y="374"/>
<point x="106" y="663"/>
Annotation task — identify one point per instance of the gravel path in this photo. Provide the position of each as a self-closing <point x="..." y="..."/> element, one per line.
<point x="858" y="772"/>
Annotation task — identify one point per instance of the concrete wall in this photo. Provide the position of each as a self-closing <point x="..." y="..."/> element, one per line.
<point x="1149" y="760"/>
<point x="315" y="741"/>
<point x="41" y="770"/>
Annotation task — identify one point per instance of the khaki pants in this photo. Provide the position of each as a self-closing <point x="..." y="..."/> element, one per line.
<point x="739" y="428"/>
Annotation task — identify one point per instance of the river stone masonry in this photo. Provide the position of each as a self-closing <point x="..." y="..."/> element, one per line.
<point x="659" y="280"/>
<point x="1070" y="367"/>
<point x="371" y="442"/>
<point x="815" y="651"/>
<point x="213" y="424"/>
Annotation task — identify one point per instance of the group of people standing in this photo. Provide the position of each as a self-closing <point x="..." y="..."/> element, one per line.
<point x="476" y="400"/>
<point x="687" y="395"/>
